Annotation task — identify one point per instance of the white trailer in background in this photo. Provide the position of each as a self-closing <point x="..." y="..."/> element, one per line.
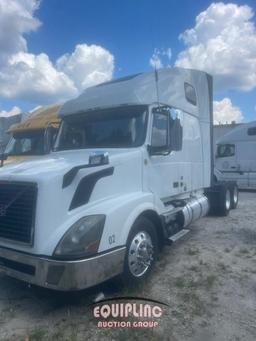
<point x="235" y="157"/>
<point x="131" y="168"/>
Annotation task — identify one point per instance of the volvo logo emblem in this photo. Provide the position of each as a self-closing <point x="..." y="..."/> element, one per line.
<point x="3" y="210"/>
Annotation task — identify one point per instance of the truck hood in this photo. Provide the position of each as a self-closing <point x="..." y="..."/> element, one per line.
<point x="55" y="164"/>
<point x="15" y="158"/>
<point x="54" y="211"/>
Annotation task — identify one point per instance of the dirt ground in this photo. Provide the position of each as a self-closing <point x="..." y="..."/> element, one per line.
<point x="207" y="278"/>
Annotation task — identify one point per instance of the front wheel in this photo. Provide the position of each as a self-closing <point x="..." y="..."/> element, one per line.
<point x="141" y="252"/>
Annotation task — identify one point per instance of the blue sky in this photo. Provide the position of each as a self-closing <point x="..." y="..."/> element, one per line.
<point x="131" y="31"/>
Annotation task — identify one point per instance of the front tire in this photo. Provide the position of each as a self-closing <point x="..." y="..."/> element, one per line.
<point x="141" y="251"/>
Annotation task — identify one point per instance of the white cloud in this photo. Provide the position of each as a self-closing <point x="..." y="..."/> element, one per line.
<point x="223" y="43"/>
<point x="160" y="58"/>
<point x="155" y="61"/>
<point x="16" y="18"/>
<point x="87" y="65"/>
<point x="14" y="111"/>
<point x="225" y="112"/>
<point x="35" y="78"/>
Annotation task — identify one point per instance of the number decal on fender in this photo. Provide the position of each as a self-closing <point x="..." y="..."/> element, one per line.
<point x="112" y="239"/>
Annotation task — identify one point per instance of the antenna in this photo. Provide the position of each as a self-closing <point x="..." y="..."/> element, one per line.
<point x="157" y="89"/>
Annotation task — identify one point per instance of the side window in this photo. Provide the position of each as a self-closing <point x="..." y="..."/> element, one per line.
<point x="175" y="129"/>
<point x="190" y="93"/>
<point x="26" y="145"/>
<point x="159" y="130"/>
<point x="251" y="131"/>
<point x="225" y="150"/>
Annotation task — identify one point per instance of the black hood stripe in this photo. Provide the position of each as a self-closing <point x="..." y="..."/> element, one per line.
<point x="86" y="185"/>
<point x="71" y="174"/>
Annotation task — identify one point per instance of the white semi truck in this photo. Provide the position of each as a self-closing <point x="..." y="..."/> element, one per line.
<point x="132" y="166"/>
<point x="236" y="156"/>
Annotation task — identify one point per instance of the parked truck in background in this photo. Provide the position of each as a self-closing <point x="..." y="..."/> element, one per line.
<point x="5" y="123"/>
<point x="34" y="136"/>
<point x="132" y="166"/>
<point x="236" y="156"/>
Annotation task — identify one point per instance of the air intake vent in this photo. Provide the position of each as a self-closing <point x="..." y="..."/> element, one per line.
<point x="17" y="211"/>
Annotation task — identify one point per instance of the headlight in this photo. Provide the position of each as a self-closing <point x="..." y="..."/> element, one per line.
<point x="83" y="238"/>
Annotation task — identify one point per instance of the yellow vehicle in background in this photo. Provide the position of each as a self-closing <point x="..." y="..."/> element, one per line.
<point x="34" y="136"/>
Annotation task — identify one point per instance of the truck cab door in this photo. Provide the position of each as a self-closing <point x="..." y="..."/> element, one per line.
<point x="162" y="172"/>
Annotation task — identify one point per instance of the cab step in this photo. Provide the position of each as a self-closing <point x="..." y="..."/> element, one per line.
<point x="178" y="235"/>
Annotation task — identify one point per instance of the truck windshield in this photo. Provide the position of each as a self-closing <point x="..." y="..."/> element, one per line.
<point x="26" y="143"/>
<point x="120" y="127"/>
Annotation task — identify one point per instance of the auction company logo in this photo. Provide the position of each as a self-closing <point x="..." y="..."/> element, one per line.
<point x="111" y="313"/>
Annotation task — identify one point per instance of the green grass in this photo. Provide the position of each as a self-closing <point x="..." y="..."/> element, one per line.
<point x="193" y="251"/>
<point x="244" y="250"/>
<point x="180" y="282"/>
<point x="210" y="281"/>
<point x="190" y="283"/>
<point x="58" y="335"/>
<point x="196" y="305"/>
<point x="222" y="266"/>
<point x="38" y="334"/>
<point x="194" y="268"/>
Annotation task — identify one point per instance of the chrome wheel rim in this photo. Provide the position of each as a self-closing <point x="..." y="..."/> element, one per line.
<point x="140" y="254"/>
<point x="235" y="196"/>
<point x="228" y="199"/>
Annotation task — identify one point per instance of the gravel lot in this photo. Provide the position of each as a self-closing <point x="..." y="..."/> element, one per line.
<point x="208" y="279"/>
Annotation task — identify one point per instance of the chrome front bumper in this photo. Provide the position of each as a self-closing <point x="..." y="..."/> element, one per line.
<point x="62" y="275"/>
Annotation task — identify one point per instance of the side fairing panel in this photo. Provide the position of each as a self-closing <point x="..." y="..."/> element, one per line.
<point x="193" y="151"/>
<point x="207" y="154"/>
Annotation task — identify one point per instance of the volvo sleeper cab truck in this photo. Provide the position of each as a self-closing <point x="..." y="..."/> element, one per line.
<point x="34" y="136"/>
<point x="235" y="159"/>
<point x="131" y="167"/>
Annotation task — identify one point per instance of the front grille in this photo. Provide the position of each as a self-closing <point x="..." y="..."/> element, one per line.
<point x="17" y="211"/>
